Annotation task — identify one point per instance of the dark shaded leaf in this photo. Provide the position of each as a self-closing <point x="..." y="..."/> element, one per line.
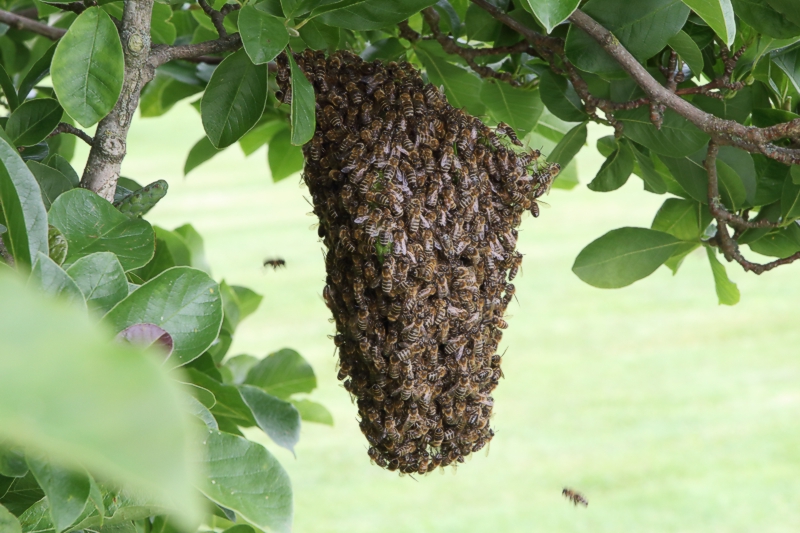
<point x="23" y="212"/>
<point x="202" y="151"/>
<point x="517" y="107"/>
<point x="615" y="171"/>
<point x="764" y="19"/>
<point x="33" y="121"/>
<point x="677" y="137"/>
<point x="462" y="88"/>
<point x="368" y="14"/>
<point x="560" y="97"/>
<point x="50" y="278"/>
<point x="51" y="182"/>
<point x="67" y="491"/>
<point x="551" y="13"/>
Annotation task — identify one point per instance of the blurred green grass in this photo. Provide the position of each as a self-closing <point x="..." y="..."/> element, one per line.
<point x="669" y="412"/>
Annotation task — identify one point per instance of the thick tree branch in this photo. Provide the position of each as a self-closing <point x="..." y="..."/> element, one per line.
<point x="63" y="127"/>
<point x="108" y="150"/>
<point x="24" y="23"/>
<point x="161" y="54"/>
<point x="728" y="246"/>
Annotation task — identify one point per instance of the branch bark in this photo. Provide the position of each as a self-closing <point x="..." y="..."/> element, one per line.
<point x="23" y="23"/>
<point x="108" y="150"/>
<point x="161" y="54"/>
<point x="64" y="127"/>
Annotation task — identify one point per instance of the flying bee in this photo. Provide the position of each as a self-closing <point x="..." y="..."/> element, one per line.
<point x="575" y="497"/>
<point x="275" y="263"/>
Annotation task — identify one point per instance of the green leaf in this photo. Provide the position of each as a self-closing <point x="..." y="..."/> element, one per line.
<point x="789" y="62"/>
<point x="162" y="31"/>
<point x="238" y="367"/>
<point x="718" y="14"/>
<point x="51" y="182"/>
<point x="20" y="493"/>
<point x="736" y="108"/>
<point x="67" y="490"/>
<point x="302" y="106"/>
<point x="727" y="291"/>
<point x="764" y="19"/>
<point x="643" y="27"/>
<point x="462" y="88"/>
<point x="12" y="462"/>
<point x="677" y="137"/>
<point x="481" y="25"/>
<point x="88" y="67"/>
<point x="653" y="180"/>
<point x="569" y="146"/>
<point x="263" y="35"/>
<point x="368" y="14"/>
<point x="91" y="224"/>
<point x="238" y="303"/>
<point x="201" y="152"/>
<point x="313" y="412"/>
<point x="787" y="8"/>
<point x="197" y="257"/>
<point x="121" y="419"/>
<point x="615" y="171"/>
<point x="57" y="244"/>
<point x="282" y="374"/>
<point x="244" y="477"/>
<point x="183" y="301"/>
<point x="277" y="418"/>
<point x="101" y="279"/>
<point x="517" y="107"/>
<point x="790" y="199"/>
<point x="50" y="278"/>
<point x="780" y="243"/>
<point x="163" y="92"/>
<point x="8" y="89"/>
<point x="234" y="99"/>
<point x="623" y="256"/>
<point x="685" y="219"/>
<point x="560" y="98"/>
<point x="551" y="13"/>
<point x="284" y="158"/>
<point x="260" y="135"/>
<point x="229" y="404"/>
<point x="319" y="36"/>
<point x="9" y="522"/>
<point x="293" y="8"/>
<point x="33" y="121"/>
<point x="22" y="210"/>
<point x="687" y="50"/>
<point x="676" y="259"/>
<point x="390" y="49"/>
<point x="764" y="117"/>
<point x="62" y="165"/>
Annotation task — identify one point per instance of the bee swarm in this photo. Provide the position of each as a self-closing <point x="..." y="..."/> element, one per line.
<point x="418" y="204"/>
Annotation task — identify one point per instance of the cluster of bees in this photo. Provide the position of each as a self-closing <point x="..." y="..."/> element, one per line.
<point x="418" y="205"/>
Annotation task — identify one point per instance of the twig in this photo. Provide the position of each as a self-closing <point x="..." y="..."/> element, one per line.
<point x="23" y="23"/>
<point x="449" y="45"/>
<point x="728" y="246"/>
<point x="64" y="127"/>
<point x="217" y="18"/>
<point x="160" y="54"/>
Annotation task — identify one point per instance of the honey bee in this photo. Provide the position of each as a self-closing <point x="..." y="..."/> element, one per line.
<point x="275" y="263"/>
<point x="575" y="497"/>
<point x="505" y="129"/>
<point x="387" y="277"/>
<point x="354" y="93"/>
<point x="333" y="116"/>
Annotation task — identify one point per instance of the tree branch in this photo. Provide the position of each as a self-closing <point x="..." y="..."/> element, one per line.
<point x="217" y="18"/>
<point x="161" y="54"/>
<point x="24" y="23"/>
<point x="450" y="46"/>
<point x="108" y="150"/>
<point x="63" y="127"/>
<point x="729" y="247"/>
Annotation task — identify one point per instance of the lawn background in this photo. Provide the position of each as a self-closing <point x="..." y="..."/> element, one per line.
<point x="669" y="412"/>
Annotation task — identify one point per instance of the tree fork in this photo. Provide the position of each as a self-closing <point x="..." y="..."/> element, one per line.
<point x="109" y="147"/>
